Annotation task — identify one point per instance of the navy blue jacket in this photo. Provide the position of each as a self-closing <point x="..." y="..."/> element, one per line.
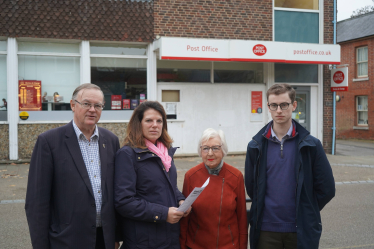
<point x="315" y="186"/>
<point x="144" y="191"/>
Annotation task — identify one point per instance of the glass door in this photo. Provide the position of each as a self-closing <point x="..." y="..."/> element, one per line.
<point x="302" y="112"/>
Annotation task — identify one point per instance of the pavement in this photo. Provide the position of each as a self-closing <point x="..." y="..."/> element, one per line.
<point x="353" y="168"/>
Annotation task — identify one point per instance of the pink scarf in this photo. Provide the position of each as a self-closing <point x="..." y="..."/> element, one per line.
<point x="160" y="151"/>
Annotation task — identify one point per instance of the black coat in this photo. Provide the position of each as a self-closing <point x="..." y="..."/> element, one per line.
<point x="144" y="191"/>
<point x="315" y="186"/>
<point x="60" y="205"/>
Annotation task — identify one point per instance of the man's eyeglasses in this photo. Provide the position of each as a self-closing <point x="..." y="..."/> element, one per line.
<point x="283" y="106"/>
<point x="206" y="149"/>
<point x="85" y="105"/>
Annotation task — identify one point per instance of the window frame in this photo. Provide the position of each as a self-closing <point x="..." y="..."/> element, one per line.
<point x="358" y="111"/>
<point x="361" y="62"/>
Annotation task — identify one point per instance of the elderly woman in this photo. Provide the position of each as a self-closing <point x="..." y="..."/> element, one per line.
<point x="218" y="218"/>
<point x="145" y="182"/>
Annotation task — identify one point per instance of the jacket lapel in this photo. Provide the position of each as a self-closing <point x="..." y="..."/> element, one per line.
<point x="103" y="159"/>
<point x="75" y="151"/>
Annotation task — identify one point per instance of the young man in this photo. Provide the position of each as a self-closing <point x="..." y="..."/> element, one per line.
<point x="288" y="177"/>
<point x="69" y="199"/>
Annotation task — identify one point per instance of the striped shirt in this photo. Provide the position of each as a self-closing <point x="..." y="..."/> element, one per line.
<point x="91" y="157"/>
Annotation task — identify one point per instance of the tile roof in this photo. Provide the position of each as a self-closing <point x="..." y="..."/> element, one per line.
<point x="111" y="20"/>
<point x="355" y="28"/>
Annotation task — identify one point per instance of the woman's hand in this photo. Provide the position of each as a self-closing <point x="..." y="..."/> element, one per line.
<point x="188" y="211"/>
<point x="173" y="215"/>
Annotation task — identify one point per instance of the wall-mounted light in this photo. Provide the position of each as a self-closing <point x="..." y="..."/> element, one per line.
<point x="337" y="98"/>
<point x="158" y="37"/>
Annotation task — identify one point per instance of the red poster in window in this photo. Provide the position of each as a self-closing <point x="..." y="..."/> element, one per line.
<point x="29" y="93"/>
<point x="126" y="103"/>
<point x="256" y="106"/>
<point x="116" y="102"/>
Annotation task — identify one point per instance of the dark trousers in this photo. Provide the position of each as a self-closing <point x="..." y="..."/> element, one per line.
<point x="99" y="238"/>
<point x="274" y="240"/>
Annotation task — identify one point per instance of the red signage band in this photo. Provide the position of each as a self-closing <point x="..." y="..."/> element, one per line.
<point x="340" y="88"/>
<point x="248" y="60"/>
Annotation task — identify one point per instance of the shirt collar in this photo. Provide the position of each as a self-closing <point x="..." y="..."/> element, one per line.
<point x="79" y="133"/>
<point x="289" y="132"/>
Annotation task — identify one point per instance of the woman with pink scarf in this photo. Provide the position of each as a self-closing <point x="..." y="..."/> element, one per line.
<point x="145" y="182"/>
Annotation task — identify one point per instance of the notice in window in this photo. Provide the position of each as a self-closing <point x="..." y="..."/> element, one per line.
<point x="256" y="106"/>
<point x="29" y="93"/>
<point x="116" y="102"/>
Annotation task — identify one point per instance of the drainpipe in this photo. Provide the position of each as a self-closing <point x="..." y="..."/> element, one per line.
<point x="334" y="93"/>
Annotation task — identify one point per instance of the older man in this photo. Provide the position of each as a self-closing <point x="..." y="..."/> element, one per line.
<point x="69" y="200"/>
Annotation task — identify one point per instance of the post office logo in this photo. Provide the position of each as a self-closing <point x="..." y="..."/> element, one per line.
<point x="259" y="50"/>
<point x="338" y="77"/>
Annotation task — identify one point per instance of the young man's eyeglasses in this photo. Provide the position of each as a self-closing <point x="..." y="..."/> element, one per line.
<point x="206" y="149"/>
<point x="283" y="106"/>
<point x="85" y="105"/>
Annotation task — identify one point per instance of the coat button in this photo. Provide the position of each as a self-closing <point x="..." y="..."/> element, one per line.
<point x="156" y="217"/>
<point x="139" y="157"/>
<point x="153" y="154"/>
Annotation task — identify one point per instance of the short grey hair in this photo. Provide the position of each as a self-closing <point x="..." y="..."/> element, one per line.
<point x="86" y="86"/>
<point x="211" y="133"/>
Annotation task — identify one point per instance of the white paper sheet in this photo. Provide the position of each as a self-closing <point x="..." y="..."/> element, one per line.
<point x="192" y="197"/>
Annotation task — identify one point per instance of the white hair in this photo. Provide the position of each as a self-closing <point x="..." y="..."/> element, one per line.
<point x="211" y="133"/>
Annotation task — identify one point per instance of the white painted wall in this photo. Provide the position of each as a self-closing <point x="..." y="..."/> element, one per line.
<point x="219" y="106"/>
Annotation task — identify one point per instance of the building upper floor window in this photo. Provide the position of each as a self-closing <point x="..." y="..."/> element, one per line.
<point x="362" y="62"/>
<point x="362" y="110"/>
<point x="297" y="4"/>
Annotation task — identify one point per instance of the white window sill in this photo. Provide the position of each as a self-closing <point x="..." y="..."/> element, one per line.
<point x="360" y="127"/>
<point x="361" y="79"/>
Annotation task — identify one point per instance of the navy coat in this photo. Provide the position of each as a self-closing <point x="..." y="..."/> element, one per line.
<point x="60" y="205"/>
<point x="144" y="191"/>
<point x="315" y="186"/>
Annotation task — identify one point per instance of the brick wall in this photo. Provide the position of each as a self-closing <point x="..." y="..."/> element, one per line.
<point x="236" y="19"/>
<point x="327" y="94"/>
<point x="346" y="114"/>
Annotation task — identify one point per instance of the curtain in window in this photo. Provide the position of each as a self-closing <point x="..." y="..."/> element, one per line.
<point x="362" y="58"/>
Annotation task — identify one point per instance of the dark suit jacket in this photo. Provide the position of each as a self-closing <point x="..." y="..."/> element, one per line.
<point x="60" y="205"/>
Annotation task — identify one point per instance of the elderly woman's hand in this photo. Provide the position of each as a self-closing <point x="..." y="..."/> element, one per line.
<point x="188" y="211"/>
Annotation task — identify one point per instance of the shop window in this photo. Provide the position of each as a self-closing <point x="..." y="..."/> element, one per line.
<point x="362" y="62"/>
<point x="362" y="110"/>
<point x="297" y="4"/>
<point x="290" y="26"/>
<point x="3" y="45"/>
<point x="48" y="47"/>
<point x="118" y="49"/>
<point x="238" y="72"/>
<point x="3" y="88"/>
<point x="183" y="71"/>
<point x="295" y="73"/>
<point x="58" y="76"/>
<point x="123" y="81"/>
<point x="54" y="70"/>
